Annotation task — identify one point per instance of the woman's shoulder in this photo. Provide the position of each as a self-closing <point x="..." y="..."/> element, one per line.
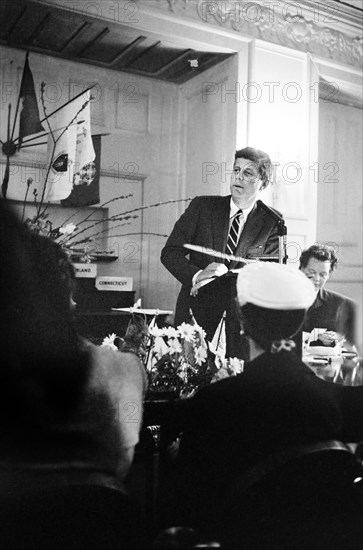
<point x="115" y="365"/>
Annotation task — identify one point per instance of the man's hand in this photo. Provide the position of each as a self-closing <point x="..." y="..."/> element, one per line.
<point x="215" y="269"/>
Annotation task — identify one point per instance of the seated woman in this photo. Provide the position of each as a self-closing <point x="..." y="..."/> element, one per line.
<point x="277" y="403"/>
<point x="70" y="411"/>
<point x="331" y="311"/>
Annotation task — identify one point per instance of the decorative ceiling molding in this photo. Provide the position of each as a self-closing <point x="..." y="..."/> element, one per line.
<point x="327" y="29"/>
<point x="177" y="3"/>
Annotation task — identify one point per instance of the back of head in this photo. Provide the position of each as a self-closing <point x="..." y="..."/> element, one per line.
<point x="273" y="299"/>
<point x="39" y="345"/>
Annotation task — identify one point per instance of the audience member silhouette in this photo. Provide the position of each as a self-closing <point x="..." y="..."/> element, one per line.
<point x="71" y="412"/>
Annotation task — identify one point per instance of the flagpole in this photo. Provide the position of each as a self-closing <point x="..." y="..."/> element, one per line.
<point x="5" y="183"/>
<point x="9" y="116"/>
<point x="34" y="144"/>
<point x="61" y="107"/>
<point x="68" y="102"/>
<point x="45" y="134"/>
<point x="18" y="102"/>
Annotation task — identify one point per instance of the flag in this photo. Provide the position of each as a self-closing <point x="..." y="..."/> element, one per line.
<point x="86" y="182"/>
<point x="29" y="115"/>
<point x="85" y="152"/>
<point x="72" y="134"/>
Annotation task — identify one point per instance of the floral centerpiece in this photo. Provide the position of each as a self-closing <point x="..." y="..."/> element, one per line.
<point x="178" y="361"/>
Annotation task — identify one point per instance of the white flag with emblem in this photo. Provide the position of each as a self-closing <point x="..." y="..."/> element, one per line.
<point x="85" y="152"/>
<point x="71" y="147"/>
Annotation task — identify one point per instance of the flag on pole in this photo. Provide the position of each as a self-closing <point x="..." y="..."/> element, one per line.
<point x="29" y="122"/>
<point x="72" y="145"/>
<point x="85" y="152"/>
<point x="86" y="182"/>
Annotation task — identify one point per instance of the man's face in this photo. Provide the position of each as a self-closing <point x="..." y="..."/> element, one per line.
<point x="317" y="271"/>
<point x="245" y="183"/>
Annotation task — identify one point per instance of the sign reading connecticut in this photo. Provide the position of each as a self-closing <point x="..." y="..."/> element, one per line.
<point x="114" y="283"/>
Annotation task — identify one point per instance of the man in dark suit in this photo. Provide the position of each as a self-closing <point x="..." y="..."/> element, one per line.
<point x="330" y="310"/>
<point x="207" y="222"/>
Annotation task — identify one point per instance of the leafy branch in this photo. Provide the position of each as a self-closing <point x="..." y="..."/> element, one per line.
<point x="120" y="216"/>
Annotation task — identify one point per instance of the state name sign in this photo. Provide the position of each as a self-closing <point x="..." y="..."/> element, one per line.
<point x="114" y="283"/>
<point x="85" y="270"/>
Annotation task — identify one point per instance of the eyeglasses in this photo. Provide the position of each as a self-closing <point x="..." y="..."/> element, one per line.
<point x="248" y="174"/>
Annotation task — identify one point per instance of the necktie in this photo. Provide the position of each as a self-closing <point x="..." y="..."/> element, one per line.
<point x="233" y="234"/>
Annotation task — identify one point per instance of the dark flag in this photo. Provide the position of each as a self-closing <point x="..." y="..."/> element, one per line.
<point x="29" y="115"/>
<point x="86" y="182"/>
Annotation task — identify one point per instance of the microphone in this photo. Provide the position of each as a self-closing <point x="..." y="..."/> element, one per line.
<point x="270" y="212"/>
<point x="281" y="231"/>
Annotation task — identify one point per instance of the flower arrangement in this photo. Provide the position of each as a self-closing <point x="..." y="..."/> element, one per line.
<point x="177" y="360"/>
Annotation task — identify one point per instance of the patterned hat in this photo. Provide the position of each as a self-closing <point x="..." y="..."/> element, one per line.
<point x="274" y="286"/>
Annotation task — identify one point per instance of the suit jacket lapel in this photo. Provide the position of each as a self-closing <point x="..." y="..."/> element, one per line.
<point x="220" y="225"/>
<point x="250" y="231"/>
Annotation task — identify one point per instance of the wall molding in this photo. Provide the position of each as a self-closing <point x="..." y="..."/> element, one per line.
<point x="330" y="30"/>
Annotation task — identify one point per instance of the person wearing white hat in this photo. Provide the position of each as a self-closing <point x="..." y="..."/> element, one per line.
<point x="273" y="300"/>
<point x="277" y="402"/>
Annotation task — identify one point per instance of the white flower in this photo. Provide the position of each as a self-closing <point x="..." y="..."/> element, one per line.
<point x="187" y="332"/>
<point x="174" y="346"/>
<point x="170" y="332"/>
<point x="110" y="341"/>
<point x="159" y="348"/>
<point x="156" y="331"/>
<point x="201" y="332"/>
<point x="200" y="354"/>
<point x="236" y="365"/>
<point x="67" y="229"/>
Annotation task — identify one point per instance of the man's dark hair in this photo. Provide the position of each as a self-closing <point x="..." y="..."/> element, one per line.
<point x="321" y="253"/>
<point x="261" y="158"/>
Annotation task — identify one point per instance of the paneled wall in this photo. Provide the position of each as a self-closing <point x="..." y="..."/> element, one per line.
<point x="340" y="207"/>
<point x="282" y="120"/>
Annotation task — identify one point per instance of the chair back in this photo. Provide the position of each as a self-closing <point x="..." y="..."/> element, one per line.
<point x="71" y="517"/>
<point x="303" y="497"/>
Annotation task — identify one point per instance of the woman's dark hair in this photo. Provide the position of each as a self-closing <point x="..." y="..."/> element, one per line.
<point x="266" y="326"/>
<point x="261" y="158"/>
<point x="46" y="367"/>
<point x="321" y="253"/>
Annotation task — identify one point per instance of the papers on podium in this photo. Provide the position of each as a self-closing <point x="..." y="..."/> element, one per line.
<point x="216" y="254"/>
<point x="143" y="311"/>
<point x="197" y="286"/>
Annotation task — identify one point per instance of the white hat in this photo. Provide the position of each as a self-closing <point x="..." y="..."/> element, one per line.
<point x="274" y="286"/>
